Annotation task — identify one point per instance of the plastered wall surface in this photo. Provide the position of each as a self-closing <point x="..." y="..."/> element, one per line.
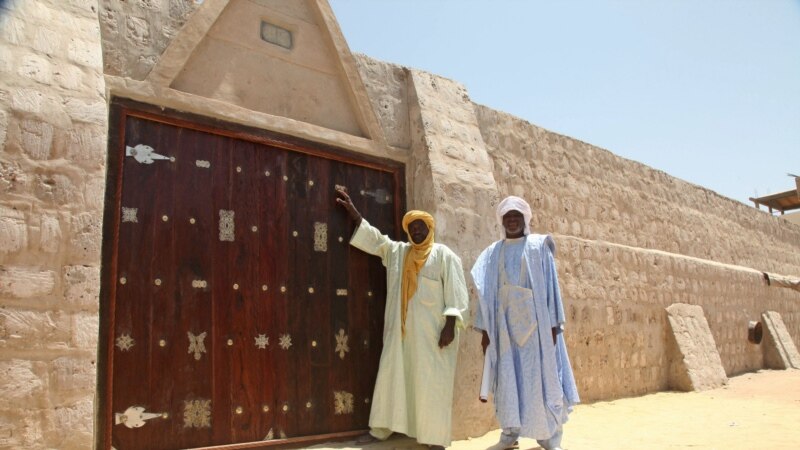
<point x="233" y="64"/>
<point x="52" y="178"/>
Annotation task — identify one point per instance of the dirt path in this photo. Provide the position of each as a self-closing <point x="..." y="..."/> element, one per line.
<point x="756" y="410"/>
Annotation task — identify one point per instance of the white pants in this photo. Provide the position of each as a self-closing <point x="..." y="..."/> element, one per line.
<point x="511" y="435"/>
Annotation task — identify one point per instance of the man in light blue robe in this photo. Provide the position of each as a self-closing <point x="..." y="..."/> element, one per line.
<point x="521" y="317"/>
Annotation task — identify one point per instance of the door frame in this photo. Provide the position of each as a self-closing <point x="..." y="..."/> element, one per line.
<point x="119" y="110"/>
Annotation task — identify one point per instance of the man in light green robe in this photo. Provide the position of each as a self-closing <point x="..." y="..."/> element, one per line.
<point x="414" y="388"/>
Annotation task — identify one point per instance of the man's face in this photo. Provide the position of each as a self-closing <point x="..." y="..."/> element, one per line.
<point x="514" y="224"/>
<point x="418" y="231"/>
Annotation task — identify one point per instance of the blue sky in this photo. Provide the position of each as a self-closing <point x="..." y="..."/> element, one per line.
<point x="707" y="91"/>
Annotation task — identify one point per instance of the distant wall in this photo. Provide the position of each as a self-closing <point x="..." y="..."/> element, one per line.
<point x="793" y="218"/>
<point x="588" y="192"/>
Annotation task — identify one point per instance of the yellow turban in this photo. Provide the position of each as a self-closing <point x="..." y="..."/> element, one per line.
<point x="415" y="259"/>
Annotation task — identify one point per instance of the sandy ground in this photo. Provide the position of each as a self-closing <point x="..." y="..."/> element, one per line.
<point x="754" y="411"/>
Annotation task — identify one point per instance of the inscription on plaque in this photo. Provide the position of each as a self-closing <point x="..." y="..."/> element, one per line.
<point x="276" y="35"/>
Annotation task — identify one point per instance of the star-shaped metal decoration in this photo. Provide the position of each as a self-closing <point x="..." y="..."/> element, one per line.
<point x="129" y="215"/>
<point x="196" y="344"/>
<point x="262" y="341"/>
<point x="197" y="413"/>
<point x="125" y="342"/>
<point x="341" y="343"/>
<point x="342" y="402"/>
<point x="286" y="341"/>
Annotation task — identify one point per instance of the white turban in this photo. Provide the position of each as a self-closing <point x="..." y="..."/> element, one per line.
<point x="513" y="203"/>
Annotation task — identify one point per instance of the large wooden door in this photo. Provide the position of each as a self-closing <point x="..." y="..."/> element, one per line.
<point x="234" y="309"/>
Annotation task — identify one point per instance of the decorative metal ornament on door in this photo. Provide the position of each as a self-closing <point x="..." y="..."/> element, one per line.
<point x="233" y="310"/>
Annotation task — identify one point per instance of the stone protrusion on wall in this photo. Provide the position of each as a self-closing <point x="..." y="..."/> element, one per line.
<point x="695" y="363"/>
<point x="135" y="34"/>
<point x="53" y="131"/>
<point x="776" y="280"/>
<point x="779" y="349"/>
<point x="450" y="176"/>
<point x="387" y="86"/>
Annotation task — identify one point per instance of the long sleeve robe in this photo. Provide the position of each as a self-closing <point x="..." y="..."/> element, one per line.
<point x="533" y="385"/>
<point x="414" y="388"/>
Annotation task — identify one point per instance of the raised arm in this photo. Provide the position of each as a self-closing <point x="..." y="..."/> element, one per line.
<point x="365" y="236"/>
<point x="344" y="200"/>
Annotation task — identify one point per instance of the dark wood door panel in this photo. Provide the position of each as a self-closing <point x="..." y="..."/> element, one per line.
<point x="240" y="311"/>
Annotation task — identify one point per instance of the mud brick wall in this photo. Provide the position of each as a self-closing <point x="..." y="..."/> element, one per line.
<point x="53" y="127"/>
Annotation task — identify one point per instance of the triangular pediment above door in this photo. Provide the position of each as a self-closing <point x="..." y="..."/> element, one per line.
<point x="286" y="58"/>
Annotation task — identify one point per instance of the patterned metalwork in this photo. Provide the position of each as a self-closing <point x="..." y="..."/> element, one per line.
<point x="381" y="196"/>
<point x="341" y="344"/>
<point x="199" y="284"/>
<point x="125" y="342"/>
<point x="202" y="163"/>
<point x="226" y="225"/>
<point x="341" y="292"/>
<point x="285" y="341"/>
<point x="262" y="341"/>
<point x="196" y="344"/>
<point x="270" y="436"/>
<point x="342" y="402"/>
<point x="197" y="414"/>
<point x="135" y="417"/>
<point x="320" y="237"/>
<point x="144" y="154"/>
<point x="129" y="214"/>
